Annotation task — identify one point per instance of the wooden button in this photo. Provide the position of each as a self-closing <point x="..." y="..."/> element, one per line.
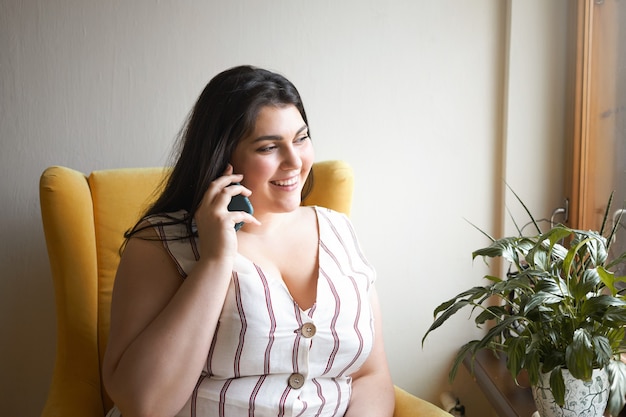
<point x="296" y="380"/>
<point x="308" y="330"/>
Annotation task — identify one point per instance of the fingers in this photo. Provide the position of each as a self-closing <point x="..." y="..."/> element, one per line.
<point x="218" y="196"/>
<point x="222" y="190"/>
<point x="243" y="217"/>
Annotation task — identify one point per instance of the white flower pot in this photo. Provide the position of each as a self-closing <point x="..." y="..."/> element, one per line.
<point x="582" y="398"/>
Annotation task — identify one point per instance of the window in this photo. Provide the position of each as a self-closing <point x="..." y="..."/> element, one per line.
<point x="598" y="152"/>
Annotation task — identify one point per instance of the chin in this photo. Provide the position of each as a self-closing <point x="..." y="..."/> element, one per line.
<point x="288" y="207"/>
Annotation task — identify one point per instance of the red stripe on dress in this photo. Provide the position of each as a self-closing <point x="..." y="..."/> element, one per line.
<point x="272" y="317"/>
<point x="194" y="396"/>
<point x="255" y="392"/>
<point x="355" y="246"/>
<point x="223" y="397"/>
<point x="244" y="326"/>
<point x="338" y="396"/>
<point x="355" y="243"/>
<point x="320" y="395"/>
<point x="194" y="247"/>
<point x="296" y="340"/>
<point x="355" y="326"/>
<point x="212" y="350"/>
<point x="334" y="258"/>
<point x="333" y="322"/>
<point x="343" y="244"/>
<point x="166" y="245"/>
<point x="305" y="406"/>
<point x="283" y="400"/>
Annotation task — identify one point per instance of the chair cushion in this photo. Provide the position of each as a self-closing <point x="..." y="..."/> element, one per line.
<point x="119" y="198"/>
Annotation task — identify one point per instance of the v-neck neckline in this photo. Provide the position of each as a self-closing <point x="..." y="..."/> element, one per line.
<point x="282" y="282"/>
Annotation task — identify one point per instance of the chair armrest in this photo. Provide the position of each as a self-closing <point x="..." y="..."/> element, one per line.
<point x="408" y="405"/>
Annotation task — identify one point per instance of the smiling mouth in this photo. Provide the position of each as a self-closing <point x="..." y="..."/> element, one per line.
<point x="286" y="183"/>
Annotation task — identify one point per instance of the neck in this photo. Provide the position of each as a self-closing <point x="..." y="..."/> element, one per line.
<point x="270" y="223"/>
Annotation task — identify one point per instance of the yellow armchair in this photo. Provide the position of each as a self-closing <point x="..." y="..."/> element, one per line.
<point x="84" y="218"/>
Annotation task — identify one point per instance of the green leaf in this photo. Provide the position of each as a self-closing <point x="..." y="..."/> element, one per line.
<point x="617" y="391"/>
<point x="559" y="251"/>
<point x="554" y="358"/>
<point x="587" y="283"/>
<point x="493" y="278"/>
<point x="597" y="306"/>
<point x="520" y="282"/>
<point x="542" y="298"/>
<point x="556" y="234"/>
<point x="607" y="278"/>
<point x="491" y="313"/>
<point x="500" y="248"/>
<point x="557" y="385"/>
<point x="614" y="316"/>
<point x="509" y="323"/>
<point x="445" y="316"/>
<point x="616" y="336"/>
<point x="594" y="252"/>
<point x="538" y="257"/>
<point x="533" y="365"/>
<point x="606" y="213"/>
<point x="526" y="209"/>
<point x="603" y="350"/>
<point x="516" y="349"/>
<point x="550" y="286"/>
<point x="579" y="355"/>
<point x="481" y="230"/>
<point x="569" y="259"/>
<point x="469" y="347"/>
<point x="471" y="294"/>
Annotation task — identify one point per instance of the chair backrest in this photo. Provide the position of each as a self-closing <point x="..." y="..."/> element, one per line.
<point x="84" y="219"/>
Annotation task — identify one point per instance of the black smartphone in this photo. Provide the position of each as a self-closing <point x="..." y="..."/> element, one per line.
<point x="240" y="203"/>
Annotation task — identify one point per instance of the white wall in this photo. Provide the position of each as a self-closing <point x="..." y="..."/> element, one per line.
<point x="539" y="84"/>
<point x="410" y="92"/>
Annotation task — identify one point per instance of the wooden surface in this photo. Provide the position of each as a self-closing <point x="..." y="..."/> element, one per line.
<point x="507" y="398"/>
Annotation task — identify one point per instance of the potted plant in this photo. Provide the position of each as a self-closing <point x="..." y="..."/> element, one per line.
<point x="558" y="312"/>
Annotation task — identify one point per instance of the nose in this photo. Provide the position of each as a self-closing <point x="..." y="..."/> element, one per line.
<point x="291" y="158"/>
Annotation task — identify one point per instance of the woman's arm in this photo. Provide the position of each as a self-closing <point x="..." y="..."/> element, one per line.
<point x="161" y="329"/>
<point x="372" y="388"/>
<point x="162" y="325"/>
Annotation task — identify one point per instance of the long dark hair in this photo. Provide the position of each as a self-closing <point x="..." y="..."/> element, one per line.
<point x="225" y="112"/>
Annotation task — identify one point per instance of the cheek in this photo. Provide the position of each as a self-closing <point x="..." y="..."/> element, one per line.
<point x="237" y="160"/>
<point x="245" y="163"/>
<point x="308" y="157"/>
<point x="257" y="171"/>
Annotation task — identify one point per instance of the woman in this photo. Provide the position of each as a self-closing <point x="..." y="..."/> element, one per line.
<point x="278" y="318"/>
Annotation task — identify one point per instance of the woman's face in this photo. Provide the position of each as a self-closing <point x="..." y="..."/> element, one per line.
<point x="275" y="159"/>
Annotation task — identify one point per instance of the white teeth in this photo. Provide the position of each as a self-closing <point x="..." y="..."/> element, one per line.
<point x="286" y="183"/>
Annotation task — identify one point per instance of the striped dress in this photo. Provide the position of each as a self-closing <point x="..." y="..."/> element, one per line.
<point x="271" y="358"/>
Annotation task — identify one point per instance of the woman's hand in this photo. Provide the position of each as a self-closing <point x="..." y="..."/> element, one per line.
<point x="216" y="225"/>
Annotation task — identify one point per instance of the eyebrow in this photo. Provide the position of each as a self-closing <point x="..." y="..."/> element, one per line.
<point x="278" y="137"/>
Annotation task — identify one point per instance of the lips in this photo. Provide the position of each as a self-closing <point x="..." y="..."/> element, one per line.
<point x="286" y="183"/>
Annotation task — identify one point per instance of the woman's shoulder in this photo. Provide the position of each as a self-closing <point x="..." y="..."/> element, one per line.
<point x="332" y="216"/>
<point x="167" y="226"/>
<point x="177" y="234"/>
<point x="166" y="218"/>
<point x="339" y="236"/>
<point x="335" y="222"/>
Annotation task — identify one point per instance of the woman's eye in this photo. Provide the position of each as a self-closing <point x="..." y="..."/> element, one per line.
<point x="268" y="148"/>
<point x="302" y="138"/>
